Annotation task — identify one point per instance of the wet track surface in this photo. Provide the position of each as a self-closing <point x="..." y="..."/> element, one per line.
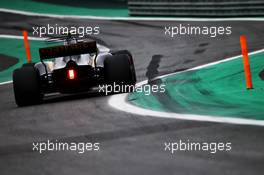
<point x="130" y="144"/>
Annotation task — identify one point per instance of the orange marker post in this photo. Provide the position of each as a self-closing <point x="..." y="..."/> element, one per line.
<point x="25" y="34"/>
<point x="243" y="44"/>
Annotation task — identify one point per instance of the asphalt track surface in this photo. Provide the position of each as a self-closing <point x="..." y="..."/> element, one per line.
<point x="130" y="144"/>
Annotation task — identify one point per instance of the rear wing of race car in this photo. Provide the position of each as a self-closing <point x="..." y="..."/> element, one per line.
<point x="68" y="50"/>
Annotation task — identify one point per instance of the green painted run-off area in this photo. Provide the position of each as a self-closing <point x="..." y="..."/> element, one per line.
<point x="109" y="8"/>
<point x="15" y="48"/>
<point x="218" y="90"/>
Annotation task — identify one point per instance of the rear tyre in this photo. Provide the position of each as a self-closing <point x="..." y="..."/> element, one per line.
<point x="125" y="52"/>
<point x="119" y="71"/>
<point x="132" y="66"/>
<point x="26" y="85"/>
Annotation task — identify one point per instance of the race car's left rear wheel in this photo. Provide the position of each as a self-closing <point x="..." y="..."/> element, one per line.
<point x="26" y="85"/>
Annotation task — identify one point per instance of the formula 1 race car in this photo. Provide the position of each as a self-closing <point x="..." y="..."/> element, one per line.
<point x="76" y="66"/>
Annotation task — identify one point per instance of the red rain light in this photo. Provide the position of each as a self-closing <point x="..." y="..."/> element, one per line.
<point x="71" y="74"/>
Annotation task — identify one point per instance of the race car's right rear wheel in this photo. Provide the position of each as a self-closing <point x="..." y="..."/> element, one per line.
<point x="118" y="71"/>
<point x="131" y="61"/>
<point x="26" y="85"/>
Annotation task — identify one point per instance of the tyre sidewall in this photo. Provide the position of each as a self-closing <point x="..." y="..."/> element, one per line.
<point x="26" y="84"/>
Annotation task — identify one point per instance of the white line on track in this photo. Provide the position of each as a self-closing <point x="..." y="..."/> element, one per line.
<point x="21" y="37"/>
<point x="205" y="65"/>
<point x="120" y="102"/>
<point x="20" y="12"/>
<point x="6" y="82"/>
